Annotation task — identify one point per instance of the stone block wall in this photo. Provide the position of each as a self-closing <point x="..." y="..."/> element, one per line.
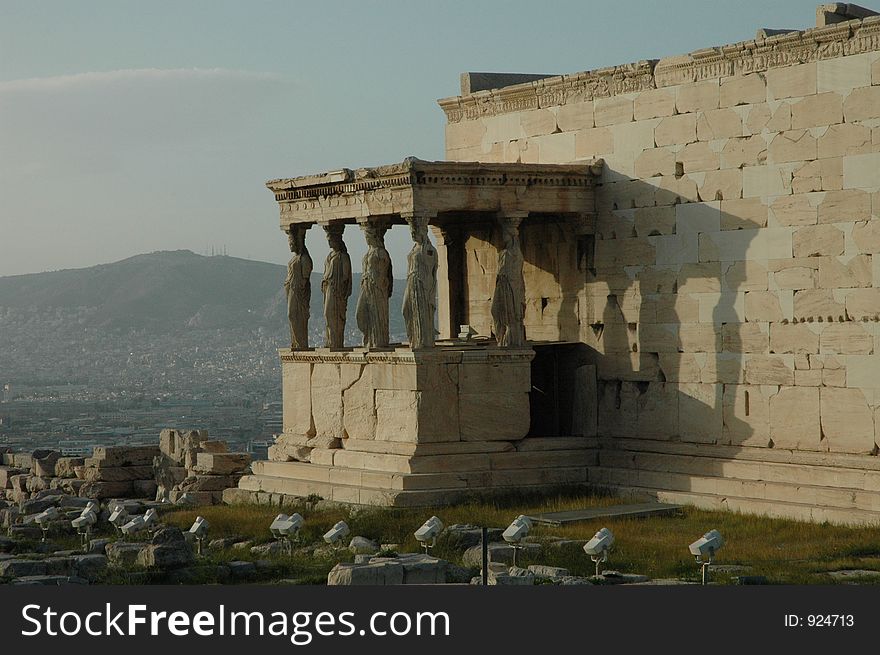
<point x="732" y="298"/>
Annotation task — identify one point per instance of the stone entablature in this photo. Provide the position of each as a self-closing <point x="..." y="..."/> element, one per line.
<point x="791" y="48"/>
<point x="434" y="188"/>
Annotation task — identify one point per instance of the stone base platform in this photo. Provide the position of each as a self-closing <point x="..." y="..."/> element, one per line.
<point x="808" y="486"/>
<point x="422" y="475"/>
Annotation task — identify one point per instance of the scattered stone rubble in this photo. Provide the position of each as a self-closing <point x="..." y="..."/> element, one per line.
<point x="192" y="468"/>
<point x="185" y="467"/>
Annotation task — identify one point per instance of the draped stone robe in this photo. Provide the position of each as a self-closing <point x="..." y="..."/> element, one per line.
<point x="372" y="306"/>
<point x="298" y="288"/>
<point x="420" y="295"/>
<point x="336" y="286"/>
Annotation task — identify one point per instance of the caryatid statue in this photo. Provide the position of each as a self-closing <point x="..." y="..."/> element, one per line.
<point x="420" y="296"/>
<point x="376" y="285"/>
<point x="298" y="286"/>
<point x="336" y="287"/>
<point x="509" y="299"/>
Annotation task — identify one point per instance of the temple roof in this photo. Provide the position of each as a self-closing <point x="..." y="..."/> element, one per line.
<point x="441" y="190"/>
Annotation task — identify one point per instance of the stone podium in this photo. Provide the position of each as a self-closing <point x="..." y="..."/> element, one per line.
<point x="406" y="427"/>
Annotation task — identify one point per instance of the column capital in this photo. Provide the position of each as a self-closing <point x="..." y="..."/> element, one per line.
<point x="333" y="228"/>
<point x="419" y="214"/>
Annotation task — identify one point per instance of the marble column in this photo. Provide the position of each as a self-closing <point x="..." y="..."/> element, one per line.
<point x="376" y="286"/>
<point x="336" y="286"/>
<point x="451" y="290"/>
<point x="298" y="287"/>
<point x="509" y="298"/>
<point x="420" y="296"/>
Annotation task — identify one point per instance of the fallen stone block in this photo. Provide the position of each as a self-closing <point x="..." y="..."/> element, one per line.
<point x="44" y="463"/>
<point x="213" y="446"/>
<point x="89" y="566"/>
<point x="102" y="490"/>
<point x="379" y="573"/>
<point x="363" y="546"/>
<point x="6" y="473"/>
<point x="167" y="549"/>
<point x="499" y="552"/>
<point x="19" y="460"/>
<point x="123" y="554"/>
<point x="222" y="463"/>
<point x="616" y="577"/>
<point x="548" y="572"/>
<point x="209" y="482"/>
<point x="195" y="498"/>
<point x="19" y="482"/>
<point x="99" y="546"/>
<point x="116" y="473"/>
<point x="35" y="483"/>
<point x="25" y="532"/>
<point x="67" y="485"/>
<point x="419" y="568"/>
<point x="144" y="488"/>
<point x="65" y="466"/>
<point x="16" y="568"/>
<point x="37" y="505"/>
<point x="110" y="456"/>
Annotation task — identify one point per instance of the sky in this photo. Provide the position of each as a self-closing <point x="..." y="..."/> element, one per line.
<point x="130" y="127"/>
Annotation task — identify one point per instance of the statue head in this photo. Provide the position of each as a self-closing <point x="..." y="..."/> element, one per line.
<point x="418" y="228"/>
<point x="296" y="238"/>
<point x="334" y="237"/>
<point x="374" y="235"/>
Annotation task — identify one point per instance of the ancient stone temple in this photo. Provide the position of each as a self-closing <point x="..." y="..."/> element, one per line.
<point x="660" y="278"/>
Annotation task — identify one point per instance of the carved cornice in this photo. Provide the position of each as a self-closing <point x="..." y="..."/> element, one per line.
<point x="436" y="189"/>
<point x="848" y="38"/>
<point x="413" y="172"/>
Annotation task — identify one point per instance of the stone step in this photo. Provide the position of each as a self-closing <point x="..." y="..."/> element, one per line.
<point x="784" y="510"/>
<point x="312" y="476"/>
<point x="453" y="463"/>
<point x="778" y="455"/>
<point x="821" y="476"/>
<point x="747" y="489"/>
<point x="279" y="491"/>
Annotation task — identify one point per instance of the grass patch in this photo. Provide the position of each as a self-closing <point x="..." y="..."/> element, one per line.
<point x="784" y="551"/>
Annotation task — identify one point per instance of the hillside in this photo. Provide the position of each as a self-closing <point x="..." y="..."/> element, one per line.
<point x="133" y="323"/>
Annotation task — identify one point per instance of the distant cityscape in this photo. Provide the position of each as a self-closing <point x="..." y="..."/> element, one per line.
<point x="75" y="376"/>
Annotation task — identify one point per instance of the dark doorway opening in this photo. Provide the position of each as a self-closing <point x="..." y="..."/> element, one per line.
<point x="552" y="398"/>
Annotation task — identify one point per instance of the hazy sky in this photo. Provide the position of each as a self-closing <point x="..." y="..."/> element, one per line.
<point x="128" y="127"/>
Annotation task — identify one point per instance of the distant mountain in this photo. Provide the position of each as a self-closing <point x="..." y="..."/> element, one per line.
<point x="167" y="291"/>
<point x="157" y="324"/>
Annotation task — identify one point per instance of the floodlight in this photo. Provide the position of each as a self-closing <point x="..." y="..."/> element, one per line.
<point x="597" y="547"/>
<point x="84" y="522"/>
<point x="150" y="519"/>
<point x="284" y="527"/>
<point x="135" y="525"/>
<point x="44" y="518"/>
<point x="429" y="531"/>
<point x="516" y="532"/>
<point x="337" y="533"/>
<point x="118" y="518"/>
<point x="199" y="530"/>
<point x="704" y="549"/>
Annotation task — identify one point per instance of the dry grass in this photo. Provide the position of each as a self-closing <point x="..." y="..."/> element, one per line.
<point x="787" y="552"/>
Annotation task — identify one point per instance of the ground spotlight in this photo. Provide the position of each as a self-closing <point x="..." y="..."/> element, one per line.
<point x="284" y="528"/>
<point x="704" y="549"/>
<point x="516" y="532"/>
<point x="84" y="522"/>
<point x="199" y="530"/>
<point x="118" y="518"/>
<point x="138" y="523"/>
<point x="337" y="533"/>
<point x="599" y="546"/>
<point x="428" y="532"/>
<point x="44" y="518"/>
